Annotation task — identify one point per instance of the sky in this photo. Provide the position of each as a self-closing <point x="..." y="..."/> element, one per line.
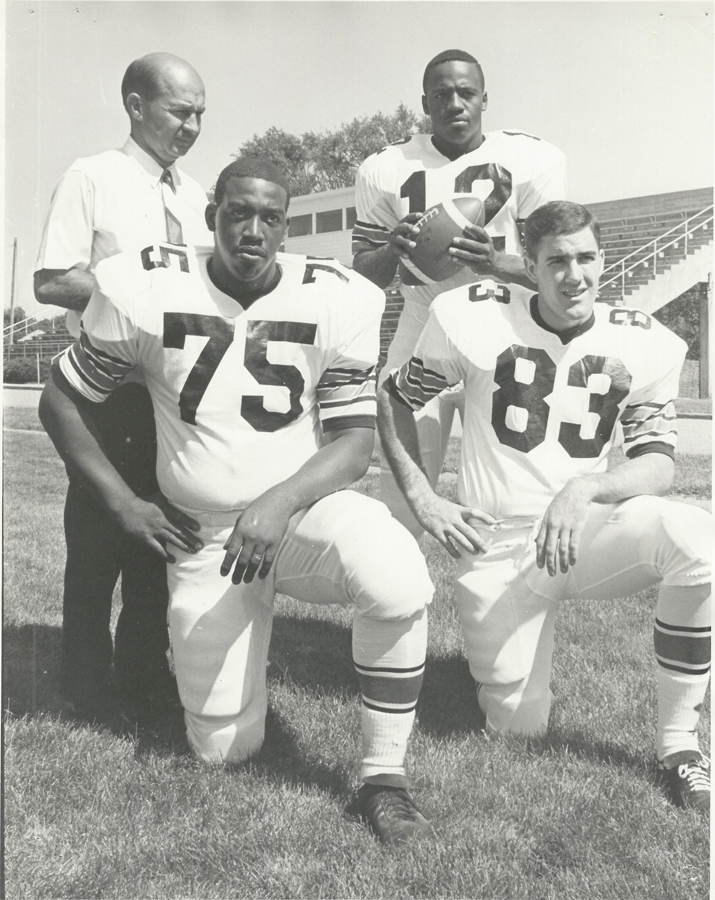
<point x="625" y="89"/>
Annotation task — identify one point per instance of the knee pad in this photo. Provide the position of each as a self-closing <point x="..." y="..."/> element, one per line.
<point x="684" y="536"/>
<point x="386" y="572"/>
<point x="514" y="709"/>
<point x="225" y="739"/>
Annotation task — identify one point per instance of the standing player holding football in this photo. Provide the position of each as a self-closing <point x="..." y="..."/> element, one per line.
<point x="511" y="172"/>
<point x="260" y="366"/>
<point x="549" y="377"/>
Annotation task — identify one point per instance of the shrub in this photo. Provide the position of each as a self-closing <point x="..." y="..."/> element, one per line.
<point x="24" y="371"/>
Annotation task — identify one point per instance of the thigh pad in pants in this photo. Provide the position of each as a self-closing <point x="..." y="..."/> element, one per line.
<point x="501" y="616"/>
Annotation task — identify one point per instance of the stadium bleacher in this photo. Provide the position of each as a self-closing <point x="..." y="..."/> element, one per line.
<point x="644" y="239"/>
<point x="644" y="236"/>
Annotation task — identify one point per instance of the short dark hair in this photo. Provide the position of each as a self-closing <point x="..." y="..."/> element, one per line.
<point x="555" y="218"/>
<point x="447" y="56"/>
<point x="251" y="167"/>
<point x="143" y="77"/>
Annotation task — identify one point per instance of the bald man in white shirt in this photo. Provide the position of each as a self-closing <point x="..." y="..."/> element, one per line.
<point x="106" y="204"/>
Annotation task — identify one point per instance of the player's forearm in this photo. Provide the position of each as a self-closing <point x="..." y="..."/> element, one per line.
<point x="378" y="266"/>
<point x="650" y="474"/>
<point x="337" y="465"/>
<point x="398" y="435"/>
<point x="68" y="288"/>
<point x="77" y="441"/>
<point x="510" y="269"/>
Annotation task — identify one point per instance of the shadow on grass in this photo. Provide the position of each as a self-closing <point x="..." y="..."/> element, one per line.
<point x="315" y="655"/>
<point x="31" y="669"/>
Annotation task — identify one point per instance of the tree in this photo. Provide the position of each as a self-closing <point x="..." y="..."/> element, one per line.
<point x="18" y="316"/>
<point x="286" y="151"/>
<point x="682" y="316"/>
<point x="323" y="161"/>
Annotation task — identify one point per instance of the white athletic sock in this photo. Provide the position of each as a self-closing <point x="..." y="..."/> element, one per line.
<point x="682" y="650"/>
<point x="389" y="658"/>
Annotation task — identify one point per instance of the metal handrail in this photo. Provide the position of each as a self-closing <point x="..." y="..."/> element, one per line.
<point x="26" y="322"/>
<point x="685" y="229"/>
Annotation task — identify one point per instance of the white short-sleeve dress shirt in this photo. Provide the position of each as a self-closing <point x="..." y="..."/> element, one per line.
<point x="113" y="202"/>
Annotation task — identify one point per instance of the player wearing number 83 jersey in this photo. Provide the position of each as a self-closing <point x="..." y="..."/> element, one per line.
<point x="551" y="381"/>
<point x="241" y="396"/>
<point x="542" y="406"/>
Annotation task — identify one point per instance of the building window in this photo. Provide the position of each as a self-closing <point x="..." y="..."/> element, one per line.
<point x="330" y="220"/>
<point x="350" y="217"/>
<point x="300" y="225"/>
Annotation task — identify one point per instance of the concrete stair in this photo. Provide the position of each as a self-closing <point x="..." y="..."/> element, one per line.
<point x="660" y="269"/>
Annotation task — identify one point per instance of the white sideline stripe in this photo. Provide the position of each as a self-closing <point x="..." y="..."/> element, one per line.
<point x="25" y="431"/>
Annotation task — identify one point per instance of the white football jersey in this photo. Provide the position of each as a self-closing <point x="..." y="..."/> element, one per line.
<point x="241" y="397"/>
<point x="542" y="408"/>
<point x="511" y="172"/>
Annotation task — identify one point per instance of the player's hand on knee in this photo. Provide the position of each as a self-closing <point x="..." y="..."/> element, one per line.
<point x="451" y="524"/>
<point x="402" y="238"/>
<point x="557" y="543"/>
<point x="256" y="537"/>
<point x="475" y="249"/>
<point x="156" y="522"/>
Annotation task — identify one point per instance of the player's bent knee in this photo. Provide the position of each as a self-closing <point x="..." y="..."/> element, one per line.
<point x="510" y="709"/>
<point x="224" y="739"/>
<point x="386" y="572"/>
<point x="683" y="534"/>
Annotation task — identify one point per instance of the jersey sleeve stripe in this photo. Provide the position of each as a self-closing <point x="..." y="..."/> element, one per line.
<point x="340" y="422"/>
<point x="369" y="228"/>
<point x="79" y="379"/>
<point x="102" y="361"/>
<point x="84" y="375"/>
<point x="100" y="370"/>
<point x="334" y="404"/>
<point x="344" y="400"/>
<point x="389" y="386"/>
<point x="368" y="237"/>
<point x="648" y="423"/>
<point x="340" y="377"/>
<point x="416" y="384"/>
<point x="651" y="447"/>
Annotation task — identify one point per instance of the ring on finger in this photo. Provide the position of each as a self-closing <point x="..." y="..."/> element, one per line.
<point x="256" y="557"/>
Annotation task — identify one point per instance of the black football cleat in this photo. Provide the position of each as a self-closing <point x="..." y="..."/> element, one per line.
<point x="687" y="777"/>
<point x="391" y="814"/>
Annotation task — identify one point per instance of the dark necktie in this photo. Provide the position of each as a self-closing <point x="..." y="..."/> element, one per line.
<point x="174" y="231"/>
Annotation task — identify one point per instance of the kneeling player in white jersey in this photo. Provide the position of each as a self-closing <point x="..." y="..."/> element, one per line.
<point x="548" y="378"/>
<point x="260" y="366"/>
<point x="511" y="172"/>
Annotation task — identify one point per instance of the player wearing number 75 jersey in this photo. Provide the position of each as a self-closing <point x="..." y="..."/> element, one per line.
<point x="260" y="366"/>
<point x="511" y="172"/>
<point x="551" y="381"/>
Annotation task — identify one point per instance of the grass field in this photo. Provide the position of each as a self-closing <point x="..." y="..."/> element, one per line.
<point x="576" y="816"/>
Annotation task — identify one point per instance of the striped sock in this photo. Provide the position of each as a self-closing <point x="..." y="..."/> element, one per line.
<point x="389" y="658"/>
<point x="682" y="652"/>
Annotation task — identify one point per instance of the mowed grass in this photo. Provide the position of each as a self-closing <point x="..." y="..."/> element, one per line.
<point x="576" y="816"/>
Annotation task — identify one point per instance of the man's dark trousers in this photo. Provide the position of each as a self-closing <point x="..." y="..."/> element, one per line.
<point x="97" y="552"/>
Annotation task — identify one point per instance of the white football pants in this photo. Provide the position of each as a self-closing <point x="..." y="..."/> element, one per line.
<point x="344" y="549"/>
<point x="507" y="605"/>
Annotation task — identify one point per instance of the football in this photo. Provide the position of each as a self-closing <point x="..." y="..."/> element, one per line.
<point x="438" y="226"/>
